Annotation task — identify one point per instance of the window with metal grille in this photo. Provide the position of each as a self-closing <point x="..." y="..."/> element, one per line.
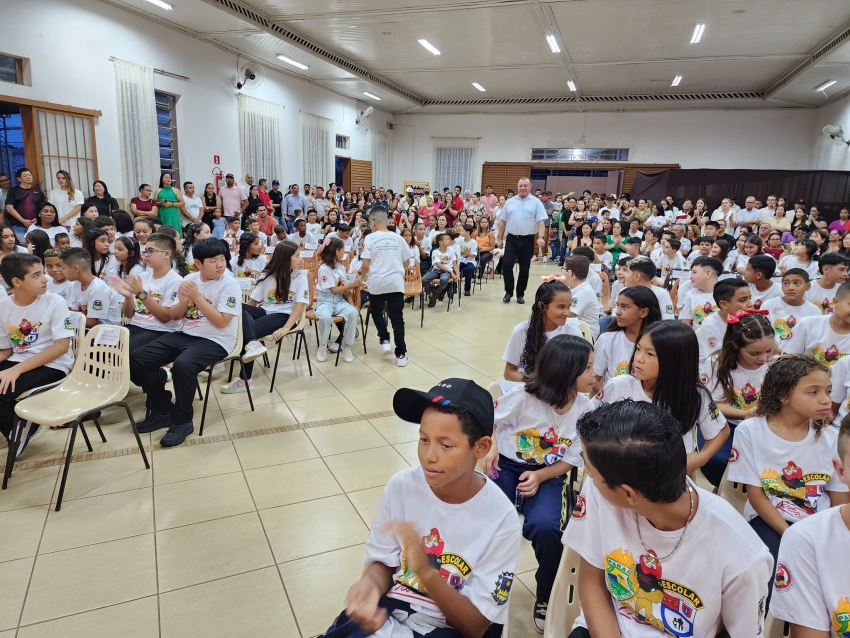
<point x="11" y="69"/>
<point x="581" y="154"/>
<point x="342" y="142"/>
<point x="166" y="119"/>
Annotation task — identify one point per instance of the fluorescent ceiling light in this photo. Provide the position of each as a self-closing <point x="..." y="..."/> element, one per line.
<point x="571" y="85"/>
<point x="161" y="4"/>
<point x="676" y="80"/>
<point x="429" y="46"/>
<point x="553" y="43"/>
<point x="478" y="86"/>
<point x="825" y="85"/>
<point x="298" y="65"/>
<point x="371" y="95"/>
<point x="698" y="31"/>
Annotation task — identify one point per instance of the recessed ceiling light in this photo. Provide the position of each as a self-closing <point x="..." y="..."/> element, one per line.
<point x="825" y="85"/>
<point x="698" y="31"/>
<point x="478" y="86"/>
<point x="429" y="46"/>
<point x="386" y="32"/>
<point x="298" y="65"/>
<point x="553" y="43"/>
<point x="676" y="80"/>
<point x="739" y="11"/>
<point x="371" y="95"/>
<point x="571" y="85"/>
<point x="161" y="4"/>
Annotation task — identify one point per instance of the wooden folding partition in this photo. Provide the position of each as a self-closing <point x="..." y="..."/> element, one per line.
<point x="361" y="174"/>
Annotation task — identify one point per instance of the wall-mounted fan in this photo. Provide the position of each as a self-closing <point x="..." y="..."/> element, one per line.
<point x="251" y="76"/>
<point x="364" y="115"/>
<point x="836" y="134"/>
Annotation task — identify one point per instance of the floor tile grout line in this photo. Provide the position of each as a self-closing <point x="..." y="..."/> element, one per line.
<point x="84" y="611"/>
<point x="155" y="546"/>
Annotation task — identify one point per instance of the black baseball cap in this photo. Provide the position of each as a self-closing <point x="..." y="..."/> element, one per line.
<point x="274" y="181"/>
<point x="409" y="404"/>
<point x="229" y="175"/>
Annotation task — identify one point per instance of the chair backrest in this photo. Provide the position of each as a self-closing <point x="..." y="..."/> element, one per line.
<point x="103" y="359"/>
<point x="237" y="349"/>
<point x="564" y="606"/>
<point x="733" y="493"/>
<point x="495" y="390"/>
<point x="412" y="280"/>
<point x="81" y="333"/>
<point x="585" y="331"/>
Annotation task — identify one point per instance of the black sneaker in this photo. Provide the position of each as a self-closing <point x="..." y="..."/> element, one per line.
<point x="30" y="430"/>
<point x="538" y="615"/>
<point x="156" y="421"/>
<point x="177" y="434"/>
<point x="466" y="293"/>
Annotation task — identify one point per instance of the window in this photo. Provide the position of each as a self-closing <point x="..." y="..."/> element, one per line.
<point x="543" y="173"/>
<point x="581" y="154"/>
<point x="343" y="142"/>
<point x="66" y="141"/>
<point x="11" y="69"/>
<point x="166" y="119"/>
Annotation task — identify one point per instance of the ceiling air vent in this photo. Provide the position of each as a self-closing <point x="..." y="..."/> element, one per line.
<point x="676" y="97"/>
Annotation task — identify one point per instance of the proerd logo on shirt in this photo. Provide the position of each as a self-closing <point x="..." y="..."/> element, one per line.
<point x="783" y="581"/>
<point x="580" y="508"/>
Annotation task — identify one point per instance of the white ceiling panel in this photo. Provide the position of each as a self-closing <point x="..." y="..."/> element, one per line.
<point x="195" y="16"/>
<point x="507" y="83"/>
<point x="320" y="8"/>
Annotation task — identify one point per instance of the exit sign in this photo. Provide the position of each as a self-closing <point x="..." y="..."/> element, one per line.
<point x="216" y="160"/>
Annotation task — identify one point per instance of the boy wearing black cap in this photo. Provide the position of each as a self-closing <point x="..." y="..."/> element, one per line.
<point x="442" y="550"/>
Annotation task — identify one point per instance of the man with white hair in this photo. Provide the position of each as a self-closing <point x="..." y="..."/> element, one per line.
<point x="749" y="215"/>
<point x="520" y="221"/>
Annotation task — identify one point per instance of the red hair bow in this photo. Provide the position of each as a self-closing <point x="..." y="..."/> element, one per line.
<point x="736" y="318"/>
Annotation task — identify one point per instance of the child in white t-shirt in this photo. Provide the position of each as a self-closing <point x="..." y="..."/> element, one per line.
<point x="443" y="546"/>
<point x="35" y="334"/>
<point x="731" y="296"/>
<point x="669" y="259"/>
<point x="88" y="294"/>
<point x="585" y="304"/>
<point x="442" y="268"/>
<point x="56" y="282"/>
<point x="332" y="284"/>
<point x="802" y="256"/>
<point x="536" y="447"/>
<point x="784" y="454"/>
<point x="734" y="376"/>
<point x="826" y="338"/>
<point x="757" y="274"/>
<point x="313" y="227"/>
<point x="468" y="248"/>
<point x="699" y="302"/>
<point x="660" y="556"/>
<point x="833" y="269"/>
<point x="786" y="311"/>
<point x="252" y="257"/>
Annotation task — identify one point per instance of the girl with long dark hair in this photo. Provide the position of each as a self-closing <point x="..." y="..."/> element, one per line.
<point x="252" y="258"/>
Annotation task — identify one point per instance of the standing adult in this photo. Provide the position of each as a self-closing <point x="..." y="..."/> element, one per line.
<point x="233" y="199"/>
<point x="101" y="199"/>
<point x="489" y="200"/>
<point x="249" y="182"/>
<point x="319" y="202"/>
<point x="276" y="198"/>
<point x="264" y="194"/>
<point x="292" y="202"/>
<point x="519" y="221"/>
<point x="66" y="199"/>
<point x="144" y="205"/>
<point x="5" y="185"/>
<point x="170" y="203"/>
<point x="22" y="203"/>
<point x="194" y="206"/>
<point x="212" y="203"/>
<point x="770" y="210"/>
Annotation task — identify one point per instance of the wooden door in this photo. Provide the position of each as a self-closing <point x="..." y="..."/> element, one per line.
<point x="361" y="174"/>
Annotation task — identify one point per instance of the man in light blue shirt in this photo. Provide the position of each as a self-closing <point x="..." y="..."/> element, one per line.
<point x="292" y="202"/>
<point x="520" y="221"/>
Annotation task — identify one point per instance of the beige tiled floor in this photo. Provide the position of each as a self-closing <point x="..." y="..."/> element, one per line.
<point x="245" y="535"/>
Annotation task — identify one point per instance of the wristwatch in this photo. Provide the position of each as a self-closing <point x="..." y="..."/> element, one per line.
<point x="142" y="296"/>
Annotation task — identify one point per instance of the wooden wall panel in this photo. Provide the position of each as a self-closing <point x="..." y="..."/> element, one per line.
<point x="503" y="175"/>
<point x="361" y="174"/>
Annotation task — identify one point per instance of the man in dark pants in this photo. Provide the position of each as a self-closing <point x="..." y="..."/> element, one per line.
<point x="519" y="221"/>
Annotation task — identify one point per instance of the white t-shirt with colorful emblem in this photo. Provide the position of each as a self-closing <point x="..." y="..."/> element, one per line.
<point x="795" y="475"/>
<point x="746" y="385"/>
<point x="95" y="302"/>
<point x="710" y="335"/>
<point x="250" y="268"/>
<point x="697" y="306"/>
<point x="475" y="546"/>
<point x="164" y="292"/>
<point x="718" y="577"/>
<point x="822" y="298"/>
<point x="760" y="297"/>
<point x="265" y="293"/>
<point x="840" y="377"/>
<point x="784" y="317"/>
<point x="529" y="431"/>
<point x="815" y="337"/>
<point x="29" y="330"/>
<point x="812" y="583"/>
<point x="611" y="355"/>
<point x="226" y="297"/>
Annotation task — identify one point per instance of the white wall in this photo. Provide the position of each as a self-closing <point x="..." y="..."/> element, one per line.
<point x="69" y="43"/>
<point x="768" y="139"/>
<point x="826" y="155"/>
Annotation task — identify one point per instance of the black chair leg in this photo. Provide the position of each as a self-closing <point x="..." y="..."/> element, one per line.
<point x="99" y="431"/>
<point x="247" y="387"/>
<point x="198" y="386"/>
<point x="74" y="427"/>
<point x="306" y="352"/>
<point x="85" y="437"/>
<point x="206" y="400"/>
<point x="13" y="446"/>
<point x="277" y="358"/>
<point x="135" y="432"/>
<point x="363" y="332"/>
<point x="316" y="326"/>
<point x="266" y="359"/>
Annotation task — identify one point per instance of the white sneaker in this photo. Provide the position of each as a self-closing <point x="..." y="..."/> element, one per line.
<point x="167" y="374"/>
<point x="386" y="346"/>
<point x="401" y="360"/>
<point x="334" y="347"/>
<point x="322" y="353"/>
<point x="347" y="354"/>
<point x="236" y="386"/>
<point x="254" y="350"/>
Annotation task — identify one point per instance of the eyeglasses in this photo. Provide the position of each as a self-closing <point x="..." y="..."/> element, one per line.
<point x="151" y="251"/>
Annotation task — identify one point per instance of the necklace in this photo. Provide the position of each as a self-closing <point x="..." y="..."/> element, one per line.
<point x="684" y="529"/>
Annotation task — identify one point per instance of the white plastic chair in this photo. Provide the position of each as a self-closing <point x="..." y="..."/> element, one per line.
<point x="99" y="379"/>
<point x="775" y="628"/>
<point x="585" y="331"/>
<point x="564" y="606"/>
<point x="495" y="390"/>
<point x="733" y="493"/>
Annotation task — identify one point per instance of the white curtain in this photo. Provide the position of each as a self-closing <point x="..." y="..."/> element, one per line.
<point x="259" y="137"/>
<point x="137" y="127"/>
<point x="455" y="163"/>
<point x="376" y="152"/>
<point x="317" y="150"/>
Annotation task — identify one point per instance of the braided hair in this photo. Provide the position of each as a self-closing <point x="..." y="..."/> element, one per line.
<point x="748" y="329"/>
<point x="535" y="337"/>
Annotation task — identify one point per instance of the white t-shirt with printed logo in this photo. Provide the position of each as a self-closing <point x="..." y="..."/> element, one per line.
<point x="815" y="337"/>
<point x="665" y="302"/>
<point x="250" y="268"/>
<point x="265" y="293"/>
<point x="792" y="261"/>
<point x="812" y="583"/>
<point x="445" y="259"/>
<point x="795" y="475"/>
<point x="226" y="297"/>
<point x="516" y="344"/>
<point x="709" y="421"/>
<point x="328" y="278"/>
<point x="718" y="577"/>
<point x="697" y="306"/>
<point x="164" y="292"/>
<point x="746" y="385"/>
<point x="784" y="317"/>
<point x="475" y="544"/>
<point x="665" y="264"/>
<point x="759" y="297"/>
<point x="822" y="298"/>
<point x="840" y="377"/>
<point x="611" y="355"/>
<point x="29" y="330"/>
<point x="710" y="335"/>
<point x="95" y="302"/>
<point x="60" y="289"/>
<point x="586" y="306"/>
<point x="387" y="254"/>
<point x="468" y="250"/>
<point x="529" y="431"/>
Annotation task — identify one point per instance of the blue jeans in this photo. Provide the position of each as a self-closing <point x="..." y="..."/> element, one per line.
<point x="20" y="233"/>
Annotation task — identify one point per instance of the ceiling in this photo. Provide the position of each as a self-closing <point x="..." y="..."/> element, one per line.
<point x="620" y="54"/>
